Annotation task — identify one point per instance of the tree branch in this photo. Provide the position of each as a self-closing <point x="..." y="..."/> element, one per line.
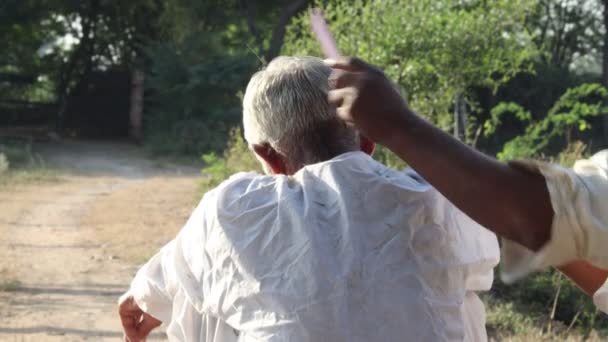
<point x="289" y="10"/>
<point x="248" y="10"/>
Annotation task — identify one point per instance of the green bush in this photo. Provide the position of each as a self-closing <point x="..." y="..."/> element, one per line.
<point x="529" y="303"/>
<point x="504" y="319"/>
<point x="193" y="95"/>
<point x="236" y="158"/>
<point x="17" y="154"/>
<point x="388" y="158"/>
<point x="435" y="50"/>
<point x="573" y="152"/>
<point x="4" y="164"/>
<point x="570" y="114"/>
<point x="10" y="285"/>
<point x="18" y="164"/>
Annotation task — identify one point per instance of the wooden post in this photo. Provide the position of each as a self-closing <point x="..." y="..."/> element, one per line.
<point x="460" y="118"/>
<point x="137" y="106"/>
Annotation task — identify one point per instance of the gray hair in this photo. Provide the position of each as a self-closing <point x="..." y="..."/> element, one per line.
<point x="285" y="106"/>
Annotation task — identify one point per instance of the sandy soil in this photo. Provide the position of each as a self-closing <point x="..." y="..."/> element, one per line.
<point x="75" y="244"/>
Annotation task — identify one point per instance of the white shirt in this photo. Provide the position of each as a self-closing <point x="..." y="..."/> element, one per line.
<point x="579" y="197"/>
<point x="344" y="250"/>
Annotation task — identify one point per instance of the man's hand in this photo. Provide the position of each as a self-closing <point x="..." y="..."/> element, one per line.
<point x="366" y="98"/>
<point x="136" y="324"/>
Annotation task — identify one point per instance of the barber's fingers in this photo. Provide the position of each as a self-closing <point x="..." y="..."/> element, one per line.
<point x="352" y="64"/>
<point x="342" y="97"/>
<point x="344" y="114"/>
<point x="342" y="79"/>
<point x="129" y="326"/>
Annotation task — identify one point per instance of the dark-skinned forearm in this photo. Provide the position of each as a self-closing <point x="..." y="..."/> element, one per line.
<point x="511" y="202"/>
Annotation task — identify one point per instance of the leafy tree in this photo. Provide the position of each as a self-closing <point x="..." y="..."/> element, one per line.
<point x="567" y="31"/>
<point x="270" y="47"/>
<point x="205" y="58"/>
<point x="570" y="114"/>
<point x="435" y="50"/>
<point x="194" y="100"/>
<point x="209" y="51"/>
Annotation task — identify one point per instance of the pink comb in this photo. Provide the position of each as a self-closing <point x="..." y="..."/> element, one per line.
<point x="319" y="27"/>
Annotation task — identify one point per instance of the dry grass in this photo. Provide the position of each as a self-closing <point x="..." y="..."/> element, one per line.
<point x="8" y="282"/>
<point x="35" y="174"/>
<point x="136" y="221"/>
<point x="19" y="165"/>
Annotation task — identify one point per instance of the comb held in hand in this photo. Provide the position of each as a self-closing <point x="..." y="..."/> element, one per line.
<point x="324" y="37"/>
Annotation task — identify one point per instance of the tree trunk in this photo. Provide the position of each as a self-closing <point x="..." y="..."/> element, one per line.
<point x="248" y="9"/>
<point x="82" y="53"/>
<point x="288" y="11"/>
<point x="137" y="107"/>
<point x="460" y="118"/>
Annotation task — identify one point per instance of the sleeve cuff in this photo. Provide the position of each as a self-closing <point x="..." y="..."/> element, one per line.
<point x="151" y="300"/>
<point x="565" y="243"/>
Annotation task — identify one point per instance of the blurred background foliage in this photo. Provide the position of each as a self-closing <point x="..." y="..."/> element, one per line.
<point x="513" y="78"/>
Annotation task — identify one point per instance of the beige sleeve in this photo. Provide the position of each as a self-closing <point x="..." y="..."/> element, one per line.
<point x="579" y="197"/>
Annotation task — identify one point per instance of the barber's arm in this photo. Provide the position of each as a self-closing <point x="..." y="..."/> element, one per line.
<point x="511" y="202"/>
<point x="587" y="277"/>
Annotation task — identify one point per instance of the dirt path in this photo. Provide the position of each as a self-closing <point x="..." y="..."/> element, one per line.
<point x="75" y="244"/>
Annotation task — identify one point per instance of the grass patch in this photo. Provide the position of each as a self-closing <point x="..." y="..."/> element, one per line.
<point x="172" y="161"/>
<point x="543" y="307"/>
<point x="10" y="285"/>
<point x="7" y="282"/>
<point x="236" y="158"/>
<point x="509" y="321"/>
<point x="37" y="174"/>
<point x="504" y="320"/>
<point x="19" y="165"/>
<point x="17" y="153"/>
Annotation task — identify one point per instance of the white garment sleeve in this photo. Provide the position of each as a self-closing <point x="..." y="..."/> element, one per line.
<point x="579" y="197"/>
<point x="178" y="266"/>
<point x="151" y="286"/>
<point x="476" y="253"/>
<point x="475" y="248"/>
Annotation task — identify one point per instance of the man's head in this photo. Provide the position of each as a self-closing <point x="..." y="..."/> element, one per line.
<point x="287" y="119"/>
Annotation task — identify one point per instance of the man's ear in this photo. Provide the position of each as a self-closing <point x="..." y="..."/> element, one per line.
<point x="366" y="145"/>
<point x="273" y="159"/>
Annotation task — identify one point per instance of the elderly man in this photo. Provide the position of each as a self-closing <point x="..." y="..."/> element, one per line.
<point x="329" y="246"/>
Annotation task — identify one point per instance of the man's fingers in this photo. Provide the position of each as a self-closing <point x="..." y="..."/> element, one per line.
<point x="130" y="315"/>
<point x="352" y="64"/>
<point x="146" y="325"/>
<point x="129" y="324"/>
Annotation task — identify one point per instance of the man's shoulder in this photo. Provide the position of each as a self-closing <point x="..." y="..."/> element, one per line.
<point x="241" y="182"/>
<point x="238" y="188"/>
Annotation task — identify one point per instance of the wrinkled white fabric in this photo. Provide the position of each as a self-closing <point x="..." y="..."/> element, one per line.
<point x="579" y="197"/>
<point x="344" y="250"/>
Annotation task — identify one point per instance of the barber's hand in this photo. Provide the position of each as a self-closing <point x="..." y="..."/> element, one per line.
<point x="136" y="324"/>
<point x="366" y="98"/>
